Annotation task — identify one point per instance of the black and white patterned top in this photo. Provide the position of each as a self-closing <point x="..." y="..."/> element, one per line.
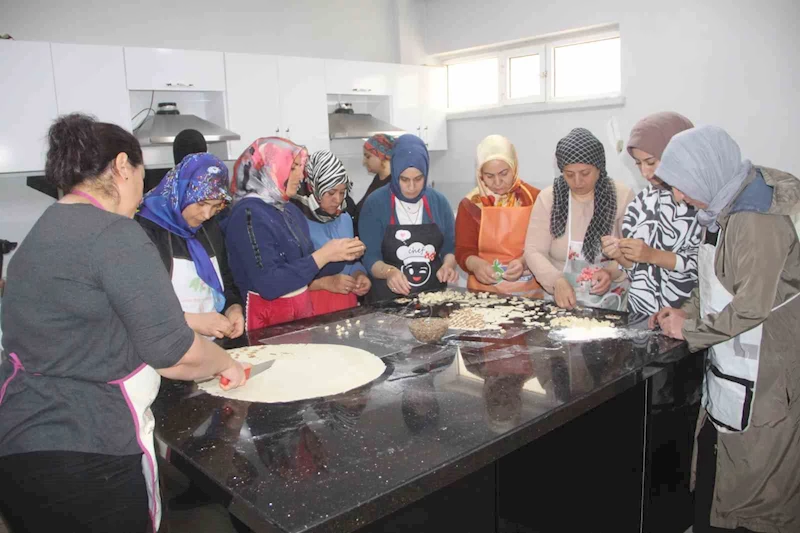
<point x="655" y="218"/>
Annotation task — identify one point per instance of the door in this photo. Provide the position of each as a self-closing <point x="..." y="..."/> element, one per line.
<point x="434" y="109"/>
<point x="303" y="102"/>
<point x="407" y="99"/>
<point x="253" y="96"/>
<point x="164" y="69"/>
<point x="91" y="79"/>
<point x="357" y="77"/>
<point x="27" y="104"/>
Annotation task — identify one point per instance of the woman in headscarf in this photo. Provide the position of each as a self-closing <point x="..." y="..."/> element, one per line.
<point x="408" y="229"/>
<point x="272" y="257"/>
<point x="377" y="160"/>
<point x="658" y="248"/>
<point x="492" y="222"/>
<point x="746" y="312"/>
<point x="323" y="201"/>
<point x="179" y="216"/>
<point x="563" y="247"/>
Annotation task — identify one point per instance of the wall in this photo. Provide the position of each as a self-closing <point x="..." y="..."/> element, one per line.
<point x="736" y="68"/>
<point x="339" y="29"/>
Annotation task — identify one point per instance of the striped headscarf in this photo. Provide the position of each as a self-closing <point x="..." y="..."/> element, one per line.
<point x="324" y="171"/>
<point x="580" y="146"/>
<point x="380" y="146"/>
<point x="263" y="170"/>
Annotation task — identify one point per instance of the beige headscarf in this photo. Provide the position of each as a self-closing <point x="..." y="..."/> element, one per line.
<point x="498" y="148"/>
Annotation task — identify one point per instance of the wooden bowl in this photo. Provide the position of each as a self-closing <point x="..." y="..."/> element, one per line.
<point x="428" y="329"/>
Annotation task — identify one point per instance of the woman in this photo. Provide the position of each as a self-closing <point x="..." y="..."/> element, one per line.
<point x="408" y="229"/>
<point x="324" y="203"/>
<point x="660" y="238"/>
<point x="746" y="313"/>
<point x="90" y="324"/>
<point x="179" y="217"/>
<point x="377" y="160"/>
<point x="271" y="254"/>
<point x="492" y="221"/>
<point x="563" y="248"/>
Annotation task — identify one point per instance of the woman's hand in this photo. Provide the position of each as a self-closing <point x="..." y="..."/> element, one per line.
<point x="235" y="375"/>
<point x="636" y="250"/>
<point x="514" y="271"/>
<point x="668" y="315"/>
<point x="235" y="315"/>
<point x="363" y="283"/>
<point x="341" y="284"/>
<point x="336" y="250"/>
<point x="481" y="269"/>
<point x="447" y="272"/>
<point x="611" y="247"/>
<point x="564" y="294"/>
<point x="210" y="324"/>
<point x="397" y="282"/>
<point x="601" y="282"/>
<point x="672" y="326"/>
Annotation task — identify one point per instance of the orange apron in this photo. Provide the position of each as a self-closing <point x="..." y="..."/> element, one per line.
<point x="502" y="239"/>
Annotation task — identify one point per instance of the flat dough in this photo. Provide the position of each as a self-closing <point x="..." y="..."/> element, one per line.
<point x="301" y="372"/>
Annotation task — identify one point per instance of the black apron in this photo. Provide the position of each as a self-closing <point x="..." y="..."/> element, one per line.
<point x="415" y="250"/>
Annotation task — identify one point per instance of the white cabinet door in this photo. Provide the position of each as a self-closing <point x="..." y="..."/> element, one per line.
<point x="164" y="69"/>
<point x="27" y="104"/>
<point x="91" y="79"/>
<point x="407" y="99"/>
<point x="303" y="102"/>
<point x="357" y="77"/>
<point x="253" y="96"/>
<point x="434" y="96"/>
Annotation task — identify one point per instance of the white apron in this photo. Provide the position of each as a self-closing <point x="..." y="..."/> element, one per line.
<point x="729" y="386"/>
<point x="578" y="271"/>
<point x="194" y="294"/>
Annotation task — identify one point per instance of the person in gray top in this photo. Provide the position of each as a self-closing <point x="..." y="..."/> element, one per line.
<point x="91" y="323"/>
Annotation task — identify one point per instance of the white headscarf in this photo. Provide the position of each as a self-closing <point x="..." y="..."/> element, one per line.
<point x="705" y="163"/>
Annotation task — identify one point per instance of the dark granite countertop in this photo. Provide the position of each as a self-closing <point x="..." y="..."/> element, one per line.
<point x="438" y="413"/>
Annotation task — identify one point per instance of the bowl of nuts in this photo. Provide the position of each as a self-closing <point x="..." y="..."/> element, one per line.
<point x="428" y="329"/>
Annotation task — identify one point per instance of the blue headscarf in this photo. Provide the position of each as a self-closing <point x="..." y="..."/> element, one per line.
<point x="199" y="177"/>
<point x="409" y="151"/>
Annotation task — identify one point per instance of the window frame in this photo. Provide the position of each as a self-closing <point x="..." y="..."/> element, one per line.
<point x="546" y="50"/>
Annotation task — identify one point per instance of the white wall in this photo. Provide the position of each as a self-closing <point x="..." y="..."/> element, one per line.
<point x="734" y="64"/>
<point x="340" y="29"/>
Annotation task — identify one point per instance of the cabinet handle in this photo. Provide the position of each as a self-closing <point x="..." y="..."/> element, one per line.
<point x="179" y="84"/>
<point x="278" y="130"/>
<point x="362" y="90"/>
<point x="287" y="131"/>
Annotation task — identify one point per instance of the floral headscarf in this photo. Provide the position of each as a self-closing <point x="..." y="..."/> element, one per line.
<point x="323" y="172"/>
<point x="380" y="146"/>
<point x="263" y="169"/>
<point x="198" y="178"/>
<point x="498" y="148"/>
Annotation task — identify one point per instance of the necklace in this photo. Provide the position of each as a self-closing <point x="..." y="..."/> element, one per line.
<point x="412" y="214"/>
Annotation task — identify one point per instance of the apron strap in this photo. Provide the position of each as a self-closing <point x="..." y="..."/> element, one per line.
<point x="393" y="220"/>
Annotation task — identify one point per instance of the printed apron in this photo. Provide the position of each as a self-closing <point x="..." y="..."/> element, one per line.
<point x="578" y="271"/>
<point x="729" y="386"/>
<point x="414" y="249"/>
<point x="501" y="239"/>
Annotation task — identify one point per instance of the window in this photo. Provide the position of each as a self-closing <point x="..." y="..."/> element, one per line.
<point x="575" y="69"/>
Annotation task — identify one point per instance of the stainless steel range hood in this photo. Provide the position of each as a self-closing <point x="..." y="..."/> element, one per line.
<point x="167" y="123"/>
<point x="346" y="124"/>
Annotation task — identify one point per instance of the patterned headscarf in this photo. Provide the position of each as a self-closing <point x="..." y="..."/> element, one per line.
<point x="652" y="133"/>
<point x="498" y="148"/>
<point x="324" y="171"/>
<point x="409" y="151"/>
<point x="705" y="163"/>
<point x="199" y="177"/>
<point x="380" y="146"/>
<point x="580" y="146"/>
<point x="263" y="170"/>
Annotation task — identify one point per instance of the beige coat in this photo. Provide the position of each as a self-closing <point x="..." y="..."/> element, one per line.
<point x="758" y="261"/>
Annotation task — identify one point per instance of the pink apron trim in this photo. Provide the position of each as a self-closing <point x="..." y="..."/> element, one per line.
<point x="129" y="376"/>
<point x="17" y="367"/>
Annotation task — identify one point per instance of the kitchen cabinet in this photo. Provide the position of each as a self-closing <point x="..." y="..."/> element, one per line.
<point x="358" y="77"/>
<point x="253" y="96"/>
<point x="164" y="69"/>
<point x="434" y="107"/>
<point x="303" y="102"/>
<point x="91" y="79"/>
<point x="407" y="99"/>
<point x="27" y="105"/>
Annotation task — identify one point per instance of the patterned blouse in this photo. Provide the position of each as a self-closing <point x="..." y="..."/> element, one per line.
<point x="654" y="217"/>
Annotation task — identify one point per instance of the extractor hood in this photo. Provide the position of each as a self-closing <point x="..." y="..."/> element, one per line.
<point x="162" y="128"/>
<point x="344" y="123"/>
